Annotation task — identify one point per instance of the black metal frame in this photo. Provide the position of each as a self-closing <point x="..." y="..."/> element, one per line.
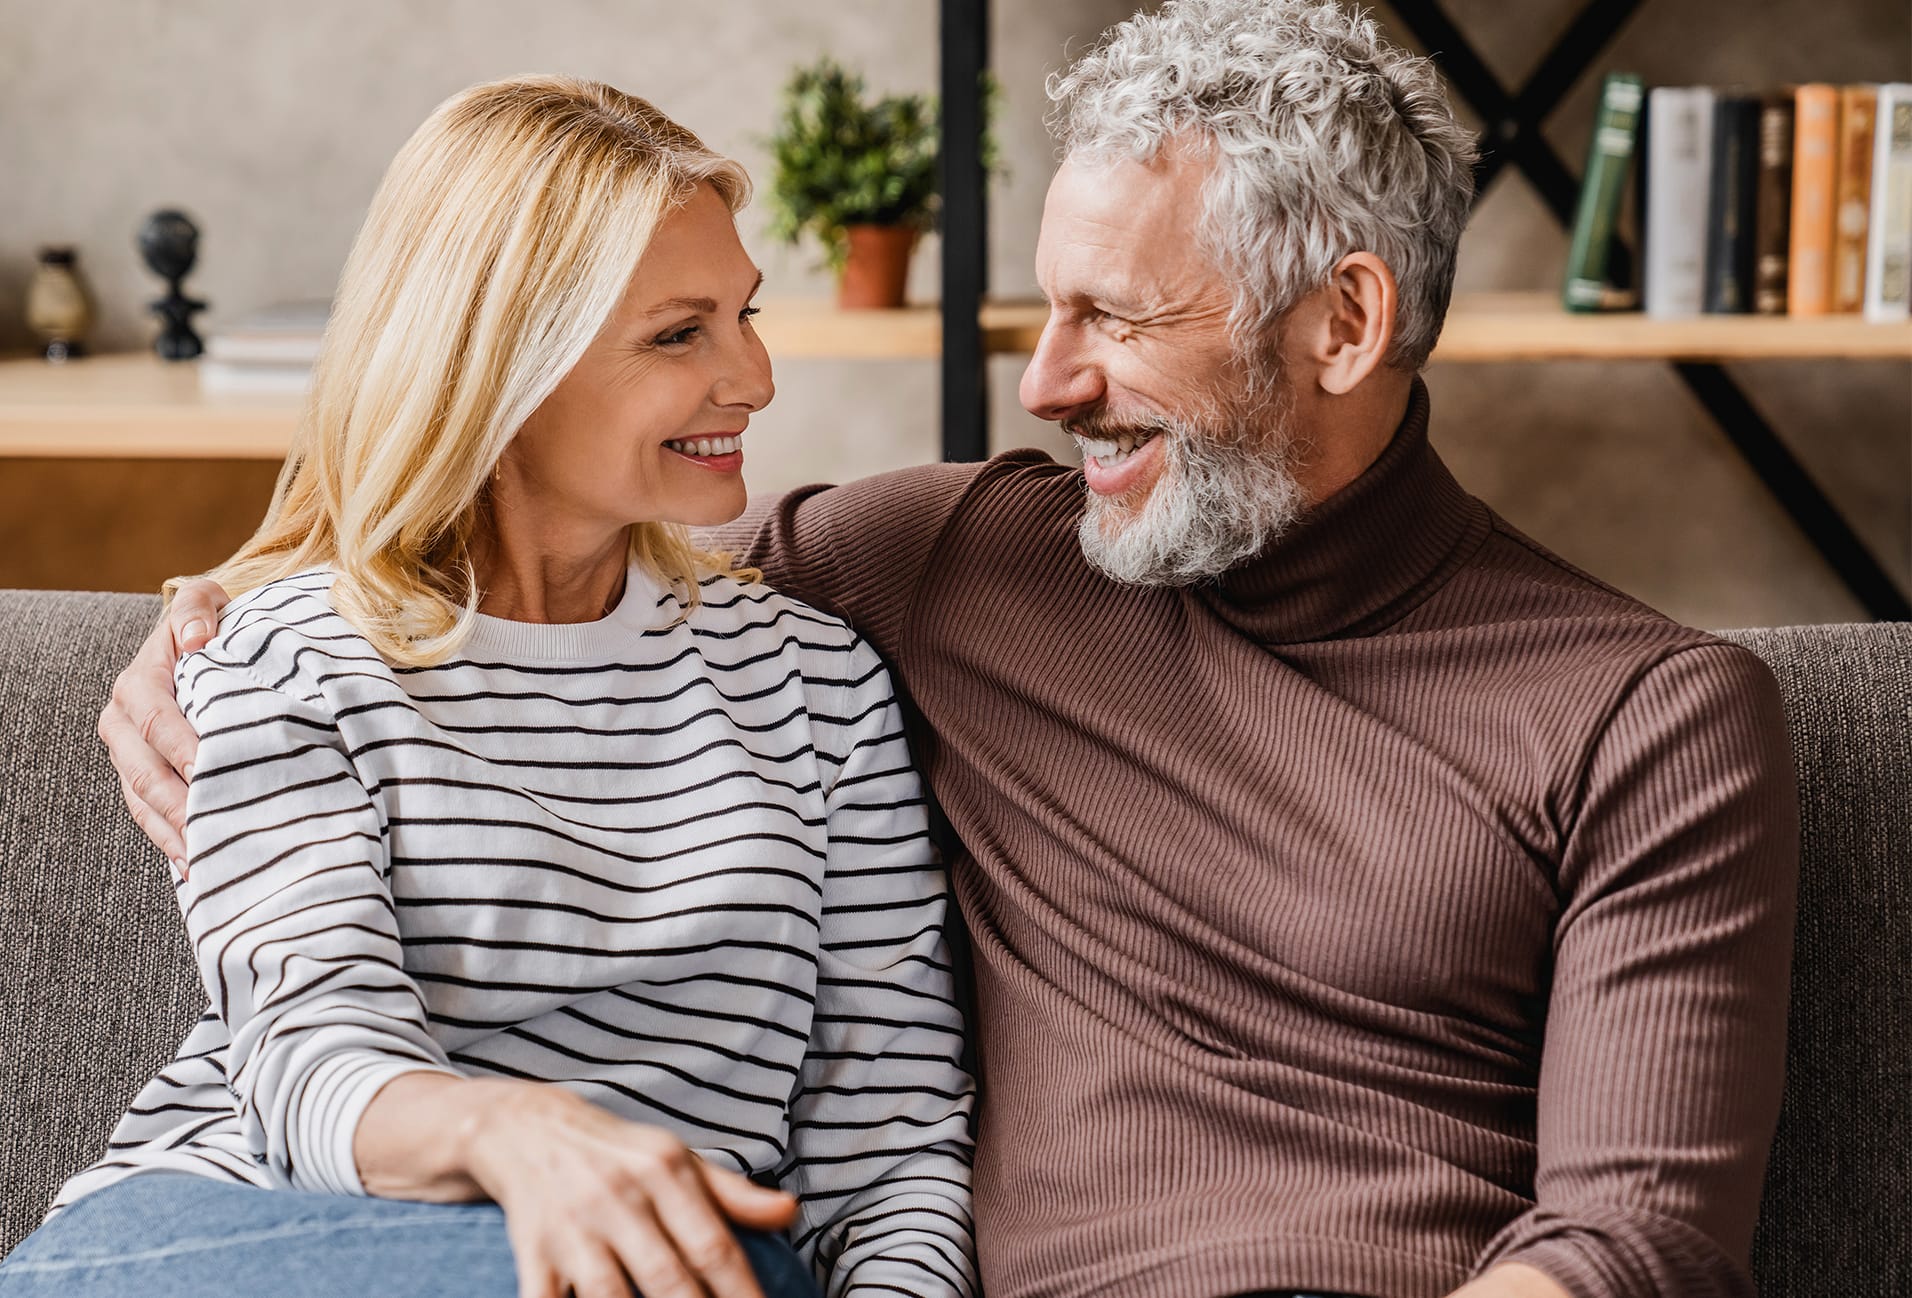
<point x="1514" y="136"/>
<point x="965" y="55"/>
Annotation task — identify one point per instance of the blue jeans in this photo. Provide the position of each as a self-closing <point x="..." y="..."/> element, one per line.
<point x="175" y="1235"/>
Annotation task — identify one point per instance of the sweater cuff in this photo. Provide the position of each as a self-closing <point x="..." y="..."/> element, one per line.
<point x="1614" y="1253"/>
<point x="331" y="1103"/>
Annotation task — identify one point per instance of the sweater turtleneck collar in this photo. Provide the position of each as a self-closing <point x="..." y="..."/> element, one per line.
<point x="1363" y="557"/>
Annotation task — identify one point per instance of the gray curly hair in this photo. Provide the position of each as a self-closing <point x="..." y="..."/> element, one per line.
<point x="1327" y="140"/>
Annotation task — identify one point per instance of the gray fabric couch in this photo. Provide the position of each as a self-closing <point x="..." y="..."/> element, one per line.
<point x="99" y="989"/>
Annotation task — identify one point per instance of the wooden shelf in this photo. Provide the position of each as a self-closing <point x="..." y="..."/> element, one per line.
<point x="1534" y="327"/>
<point x="1482" y="327"/>
<point x="134" y="406"/>
<point x="137" y="407"/>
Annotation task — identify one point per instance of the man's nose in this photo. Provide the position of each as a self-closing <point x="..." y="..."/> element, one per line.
<point x="1061" y="378"/>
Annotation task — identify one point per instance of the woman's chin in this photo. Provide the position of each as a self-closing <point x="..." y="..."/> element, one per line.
<point x="708" y="508"/>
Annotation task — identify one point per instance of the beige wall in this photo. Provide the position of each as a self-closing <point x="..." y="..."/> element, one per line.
<point x="271" y="121"/>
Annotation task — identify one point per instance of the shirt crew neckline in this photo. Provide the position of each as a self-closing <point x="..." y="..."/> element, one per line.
<point x="1364" y="557"/>
<point x="646" y="605"/>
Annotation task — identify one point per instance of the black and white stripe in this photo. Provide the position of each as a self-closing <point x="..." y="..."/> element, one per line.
<point x="680" y="866"/>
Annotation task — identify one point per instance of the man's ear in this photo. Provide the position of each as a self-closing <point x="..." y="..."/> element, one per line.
<point x="1355" y="323"/>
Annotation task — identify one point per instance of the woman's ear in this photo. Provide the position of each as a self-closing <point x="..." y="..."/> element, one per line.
<point x="1354" y="325"/>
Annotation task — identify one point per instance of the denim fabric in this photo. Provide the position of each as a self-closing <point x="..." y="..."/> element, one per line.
<point x="171" y="1235"/>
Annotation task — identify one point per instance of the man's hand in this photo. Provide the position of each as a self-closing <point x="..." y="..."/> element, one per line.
<point x="149" y="740"/>
<point x="1512" y="1280"/>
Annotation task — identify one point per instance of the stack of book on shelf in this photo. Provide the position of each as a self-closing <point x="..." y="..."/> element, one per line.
<point x="268" y="351"/>
<point x="1790" y="202"/>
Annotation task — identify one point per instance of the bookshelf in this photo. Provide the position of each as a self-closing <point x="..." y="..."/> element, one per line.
<point x="135" y="406"/>
<point x="1514" y="138"/>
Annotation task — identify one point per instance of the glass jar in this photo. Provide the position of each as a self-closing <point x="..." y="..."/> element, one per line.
<point x="59" y="308"/>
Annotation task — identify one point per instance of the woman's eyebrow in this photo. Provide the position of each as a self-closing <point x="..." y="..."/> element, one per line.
<point x="703" y="305"/>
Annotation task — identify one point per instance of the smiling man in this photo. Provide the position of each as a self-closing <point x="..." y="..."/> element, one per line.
<point x="1363" y="901"/>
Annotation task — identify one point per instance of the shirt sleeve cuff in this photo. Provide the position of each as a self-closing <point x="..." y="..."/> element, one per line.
<point x="1615" y="1253"/>
<point x="331" y="1103"/>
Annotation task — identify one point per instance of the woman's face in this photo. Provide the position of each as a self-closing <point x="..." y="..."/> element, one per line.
<point x="647" y="427"/>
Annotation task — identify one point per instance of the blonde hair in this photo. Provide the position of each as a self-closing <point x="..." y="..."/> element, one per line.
<point x="498" y="244"/>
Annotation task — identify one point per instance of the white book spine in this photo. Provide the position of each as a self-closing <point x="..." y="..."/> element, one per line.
<point x="1889" y="243"/>
<point x="253" y="380"/>
<point x="1679" y="167"/>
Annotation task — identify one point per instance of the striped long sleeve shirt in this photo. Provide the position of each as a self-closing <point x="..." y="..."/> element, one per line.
<point x="677" y="864"/>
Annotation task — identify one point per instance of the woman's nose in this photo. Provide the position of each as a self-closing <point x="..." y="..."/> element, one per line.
<point x="747" y="381"/>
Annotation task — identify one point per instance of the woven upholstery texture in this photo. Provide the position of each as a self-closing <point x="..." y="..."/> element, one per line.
<point x="1837" y="1213"/>
<point x="99" y="988"/>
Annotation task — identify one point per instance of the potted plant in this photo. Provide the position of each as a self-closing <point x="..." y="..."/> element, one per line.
<point x="859" y="175"/>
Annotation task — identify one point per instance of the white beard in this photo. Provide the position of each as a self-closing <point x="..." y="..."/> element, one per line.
<point x="1220" y="498"/>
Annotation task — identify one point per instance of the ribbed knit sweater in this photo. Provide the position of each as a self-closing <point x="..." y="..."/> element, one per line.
<point x="1402" y="903"/>
<point x="676" y="862"/>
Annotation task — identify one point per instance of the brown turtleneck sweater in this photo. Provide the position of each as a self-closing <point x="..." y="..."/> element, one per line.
<point x="1404" y="903"/>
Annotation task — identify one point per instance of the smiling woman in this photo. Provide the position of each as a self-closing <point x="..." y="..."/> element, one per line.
<point x="531" y="855"/>
<point x="477" y="307"/>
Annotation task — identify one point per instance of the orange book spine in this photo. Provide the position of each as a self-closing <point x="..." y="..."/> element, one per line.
<point x="1815" y="171"/>
<point x="1852" y="199"/>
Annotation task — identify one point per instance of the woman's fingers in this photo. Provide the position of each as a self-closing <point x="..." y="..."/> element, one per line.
<point x="643" y="1251"/>
<point x="596" y="1270"/>
<point x="745" y="1202"/>
<point x="702" y="1235"/>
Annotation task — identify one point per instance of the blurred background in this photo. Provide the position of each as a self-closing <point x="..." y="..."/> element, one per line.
<point x="270" y="123"/>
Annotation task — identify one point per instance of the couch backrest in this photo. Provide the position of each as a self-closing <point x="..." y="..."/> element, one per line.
<point x="1837" y="1213"/>
<point x="98" y="987"/>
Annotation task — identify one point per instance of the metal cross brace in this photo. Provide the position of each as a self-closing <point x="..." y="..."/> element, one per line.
<point x="1514" y="136"/>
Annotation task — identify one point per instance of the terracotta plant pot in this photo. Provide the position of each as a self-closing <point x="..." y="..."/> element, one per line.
<point x="879" y="266"/>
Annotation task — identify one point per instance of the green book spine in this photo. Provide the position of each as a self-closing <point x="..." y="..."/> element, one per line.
<point x="1609" y="156"/>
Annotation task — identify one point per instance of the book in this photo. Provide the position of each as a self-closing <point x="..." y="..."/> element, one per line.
<point x="1772" y="204"/>
<point x="1731" y="193"/>
<point x="1814" y="176"/>
<point x="1602" y="185"/>
<point x="287" y="333"/>
<point x="1679" y="142"/>
<point x="1889" y="239"/>
<point x="252" y="378"/>
<point x="1852" y="196"/>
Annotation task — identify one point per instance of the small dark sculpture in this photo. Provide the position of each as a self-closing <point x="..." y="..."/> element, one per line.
<point x="169" y="244"/>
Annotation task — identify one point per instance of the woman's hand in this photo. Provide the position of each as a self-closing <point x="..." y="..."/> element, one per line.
<point x="151" y="743"/>
<point x="593" y="1204"/>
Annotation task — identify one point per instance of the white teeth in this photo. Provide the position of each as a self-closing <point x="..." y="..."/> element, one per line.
<point x="705" y="445"/>
<point x="1110" y="452"/>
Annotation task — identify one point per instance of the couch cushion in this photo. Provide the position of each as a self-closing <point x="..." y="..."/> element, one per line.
<point x="1834" y="1219"/>
<point x="99" y="988"/>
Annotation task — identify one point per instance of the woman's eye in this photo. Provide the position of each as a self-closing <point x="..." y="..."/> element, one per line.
<point x="749" y="311"/>
<point x="679" y="337"/>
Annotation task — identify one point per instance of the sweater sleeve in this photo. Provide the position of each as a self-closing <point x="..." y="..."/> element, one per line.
<point x="879" y="1131"/>
<point x="857" y="551"/>
<point x="289" y="910"/>
<point x="1661" y="1067"/>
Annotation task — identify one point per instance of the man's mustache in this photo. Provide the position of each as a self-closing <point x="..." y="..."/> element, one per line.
<point x="1099" y="426"/>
